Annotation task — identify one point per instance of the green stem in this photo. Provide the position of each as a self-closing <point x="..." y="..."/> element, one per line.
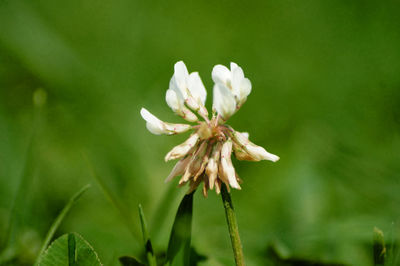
<point x="232" y="226"/>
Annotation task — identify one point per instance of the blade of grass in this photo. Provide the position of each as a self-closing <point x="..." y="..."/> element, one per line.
<point x="146" y="239"/>
<point x="18" y="200"/>
<point x="390" y="253"/>
<point x="28" y="172"/>
<point x="396" y="258"/>
<point x="59" y="219"/>
<point x="165" y="204"/>
<point x="123" y="211"/>
<point x="179" y="241"/>
<point x="379" y="247"/>
<point x="19" y="195"/>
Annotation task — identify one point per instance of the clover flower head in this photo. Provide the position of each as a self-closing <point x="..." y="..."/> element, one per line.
<point x="206" y="155"/>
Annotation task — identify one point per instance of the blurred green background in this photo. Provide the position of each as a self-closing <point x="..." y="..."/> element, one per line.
<point x="326" y="99"/>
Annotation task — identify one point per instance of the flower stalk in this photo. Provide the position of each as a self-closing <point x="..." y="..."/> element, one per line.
<point x="232" y="226"/>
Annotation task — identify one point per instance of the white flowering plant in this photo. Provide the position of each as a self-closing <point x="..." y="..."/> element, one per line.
<point x="206" y="155"/>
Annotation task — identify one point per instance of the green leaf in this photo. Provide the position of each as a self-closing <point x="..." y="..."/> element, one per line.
<point x="69" y="250"/>
<point x="60" y="218"/>
<point x="178" y="252"/>
<point x="130" y="261"/>
<point x="146" y="239"/>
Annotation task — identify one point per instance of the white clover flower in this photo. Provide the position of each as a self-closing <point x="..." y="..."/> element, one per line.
<point x="232" y="84"/>
<point x="206" y="154"/>
<point x="185" y="88"/>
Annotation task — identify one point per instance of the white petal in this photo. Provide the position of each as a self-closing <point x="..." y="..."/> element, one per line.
<point x="188" y="115"/>
<point x="153" y="124"/>
<point x="241" y="86"/>
<point x="256" y="153"/>
<point x="176" y="104"/>
<point x="221" y="74"/>
<point x="245" y="134"/>
<point x="158" y="127"/>
<point x="233" y="66"/>
<point x="237" y="77"/>
<point x="177" y="128"/>
<point x="245" y="89"/>
<point x="182" y="149"/>
<point x="196" y="88"/>
<point x="260" y="153"/>
<point x="224" y="101"/>
<point x="174" y="100"/>
<point x="242" y="155"/>
<point x="181" y="75"/>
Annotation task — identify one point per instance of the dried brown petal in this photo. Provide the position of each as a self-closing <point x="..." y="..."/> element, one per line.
<point x="182" y="149"/>
<point x="212" y="166"/>
<point x="218" y="186"/>
<point x="205" y="186"/>
<point x="228" y="171"/>
<point x="195" y="163"/>
<point x="193" y="185"/>
<point x="179" y="168"/>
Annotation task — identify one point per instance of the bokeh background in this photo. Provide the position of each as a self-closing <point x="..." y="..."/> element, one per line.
<point x="326" y="99"/>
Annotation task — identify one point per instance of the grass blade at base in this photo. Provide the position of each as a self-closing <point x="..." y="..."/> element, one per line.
<point x="59" y="219"/>
<point x="146" y="239"/>
<point x="379" y="247"/>
<point x="179" y="241"/>
<point x="123" y="211"/>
